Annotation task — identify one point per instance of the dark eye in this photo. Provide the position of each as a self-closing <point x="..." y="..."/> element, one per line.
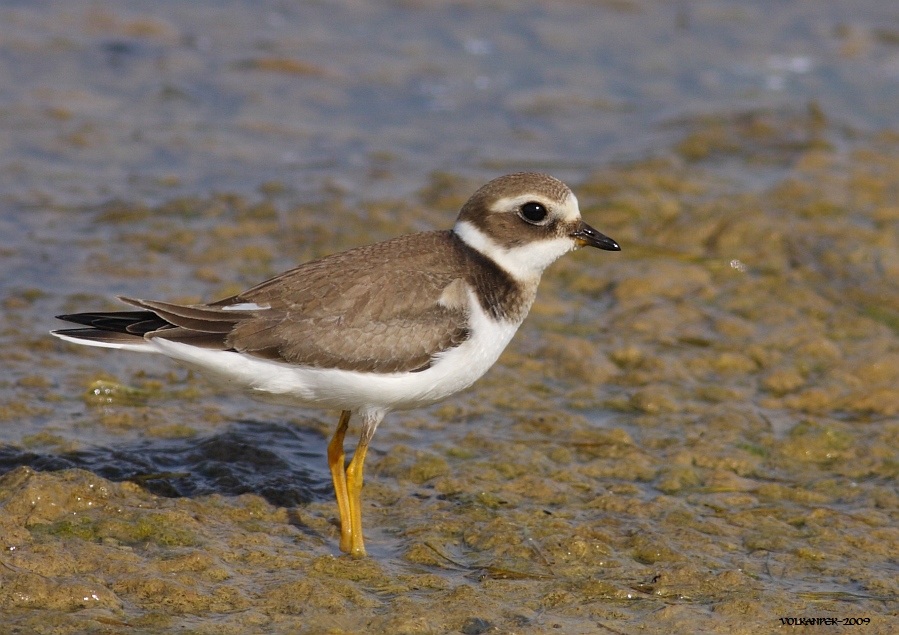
<point x="533" y="212"/>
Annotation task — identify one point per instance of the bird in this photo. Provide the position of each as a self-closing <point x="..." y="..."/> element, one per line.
<point x="395" y="325"/>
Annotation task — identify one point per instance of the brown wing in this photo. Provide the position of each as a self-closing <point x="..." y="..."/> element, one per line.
<point x="388" y="307"/>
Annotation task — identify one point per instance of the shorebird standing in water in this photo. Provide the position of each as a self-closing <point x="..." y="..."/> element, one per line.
<point x="391" y="326"/>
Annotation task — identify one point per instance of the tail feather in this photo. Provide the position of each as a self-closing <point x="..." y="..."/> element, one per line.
<point x="134" y="330"/>
<point x="104" y="338"/>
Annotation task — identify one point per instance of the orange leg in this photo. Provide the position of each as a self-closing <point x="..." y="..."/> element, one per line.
<point x="348" y="481"/>
<point x="336" y="461"/>
<point x="354" y="490"/>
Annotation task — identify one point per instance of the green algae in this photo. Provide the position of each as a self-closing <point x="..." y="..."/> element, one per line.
<point x="148" y="529"/>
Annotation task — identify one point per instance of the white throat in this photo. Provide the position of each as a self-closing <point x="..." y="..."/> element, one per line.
<point x="524" y="262"/>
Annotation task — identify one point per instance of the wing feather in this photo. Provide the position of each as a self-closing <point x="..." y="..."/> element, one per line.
<point x="373" y="309"/>
<point x="389" y="307"/>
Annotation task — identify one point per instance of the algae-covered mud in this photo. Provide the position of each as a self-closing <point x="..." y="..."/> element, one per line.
<point x="697" y="434"/>
<point x="701" y="434"/>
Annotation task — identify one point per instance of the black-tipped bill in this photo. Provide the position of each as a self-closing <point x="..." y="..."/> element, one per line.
<point x="585" y="236"/>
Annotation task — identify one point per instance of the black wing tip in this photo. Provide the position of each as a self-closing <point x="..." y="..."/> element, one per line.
<point x="131" y="322"/>
<point x="78" y="318"/>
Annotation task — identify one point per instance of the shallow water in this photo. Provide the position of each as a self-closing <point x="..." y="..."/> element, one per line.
<point x="699" y="434"/>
